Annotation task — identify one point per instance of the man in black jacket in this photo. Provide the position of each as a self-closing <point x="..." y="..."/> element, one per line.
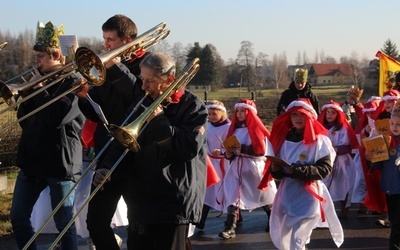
<point x="118" y="92"/>
<point x="168" y="174"/>
<point x="50" y="150"/>
<point x="299" y="88"/>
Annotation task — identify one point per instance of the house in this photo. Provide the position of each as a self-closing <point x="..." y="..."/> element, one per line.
<point x="327" y="74"/>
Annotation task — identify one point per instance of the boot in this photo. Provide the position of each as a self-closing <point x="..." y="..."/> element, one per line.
<point x="344" y="211"/>
<point x="239" y="219"/>
<point x="229" y="231"/>
<point x="267" y="209"/>
<point x="204" y="215"/>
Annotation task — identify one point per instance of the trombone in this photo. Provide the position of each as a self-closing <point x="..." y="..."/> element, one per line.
<point x="91" y="66"/>
<point x="87" y="63"/>
<point x="3" y="45"/>
<point x="187" y="74"/>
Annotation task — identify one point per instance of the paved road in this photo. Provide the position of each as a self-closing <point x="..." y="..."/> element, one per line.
<point x="361" y="233"/>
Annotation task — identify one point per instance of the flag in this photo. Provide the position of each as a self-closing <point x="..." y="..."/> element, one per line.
<point x="388" y="67"/>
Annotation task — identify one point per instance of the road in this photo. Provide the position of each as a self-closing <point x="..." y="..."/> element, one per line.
<point x="360" y="233"/>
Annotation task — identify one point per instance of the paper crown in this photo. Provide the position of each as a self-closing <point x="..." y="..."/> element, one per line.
<point x="301" y="75"/>
<point x="355" y="93"/>
<point x="47" y="35"/>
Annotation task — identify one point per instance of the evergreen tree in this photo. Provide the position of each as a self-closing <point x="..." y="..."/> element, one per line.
<point x="390" y="49"/>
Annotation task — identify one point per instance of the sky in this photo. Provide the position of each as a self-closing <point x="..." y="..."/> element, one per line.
<point x="352" y="28"/>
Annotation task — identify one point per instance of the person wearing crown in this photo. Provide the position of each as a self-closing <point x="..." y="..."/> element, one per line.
<point x="352" y="106"/>
<point x="299" y="88"/>
<point x="50" y="149"/>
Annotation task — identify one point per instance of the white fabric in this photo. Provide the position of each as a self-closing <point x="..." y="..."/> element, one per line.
<point x="214" y="193"/>
<point x="295" y="211"/>
<point x="360" y="188"/>
<point x="243" y="176"/>
<point x="42" y="209"/>
<point x="341" y="182"/>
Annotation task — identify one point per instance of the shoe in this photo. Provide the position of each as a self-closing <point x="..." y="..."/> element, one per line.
<point x="362" y="209"/>
<point x="118" y="239"/>
<point x="383" y="223"/>
<point x="227" y="234"/>
<point x="267" y="229"/>
<point x="90" y="244"/>
<point x="344" y="213"/>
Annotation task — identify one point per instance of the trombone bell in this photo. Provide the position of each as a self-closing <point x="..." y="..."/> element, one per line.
<point x="126" y="136"/>
<point x="6" y="93"/>
<point x="90" y="66"/>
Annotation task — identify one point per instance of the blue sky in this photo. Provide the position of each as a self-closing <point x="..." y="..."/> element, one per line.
<point x="336" y="28"/>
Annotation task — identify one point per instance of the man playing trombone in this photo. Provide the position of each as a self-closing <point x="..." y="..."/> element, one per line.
<point x="50" y="150"/>
<point x="118" y="92"/>
<point x="167" y="177"/>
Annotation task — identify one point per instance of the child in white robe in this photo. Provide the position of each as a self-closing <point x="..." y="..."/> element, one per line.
<point x="302" y="201"/>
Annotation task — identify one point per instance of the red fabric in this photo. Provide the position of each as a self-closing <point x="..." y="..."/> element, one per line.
<point x="342" y="121"/>
<point x="390" y="94"/>
<point x="375" y="198"/>
<point x="281" y="127"/>
<point x="212" y="175"/>
<point x="256" y="128"/>
<point x="87" y="136"/>
<point x="371" y="104"/>
<point x="176" y="97"/>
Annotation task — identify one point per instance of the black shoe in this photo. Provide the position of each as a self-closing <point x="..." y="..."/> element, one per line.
<point x="227" y="234"/>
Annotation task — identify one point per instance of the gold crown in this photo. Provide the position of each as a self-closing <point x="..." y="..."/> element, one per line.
<point x="301" y="75"/>
<point x="355" y="93"/>
<point x="47" y="35"/>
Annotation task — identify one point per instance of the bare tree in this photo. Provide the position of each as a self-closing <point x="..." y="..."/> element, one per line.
<point x="280" y="64"/>
<point x="179" y="55"/>
<point x="297" y="61"/>
<point x="246" y="58"/>
<point x="316" y="57"/>
<point x="305" y="58"/>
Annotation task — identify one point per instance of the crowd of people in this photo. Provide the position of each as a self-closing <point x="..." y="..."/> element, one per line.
<point x="296" y="172"/>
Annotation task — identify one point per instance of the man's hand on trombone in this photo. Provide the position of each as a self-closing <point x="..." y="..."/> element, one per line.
<point x="99" y="177"/>
<point x="83" y="90"/>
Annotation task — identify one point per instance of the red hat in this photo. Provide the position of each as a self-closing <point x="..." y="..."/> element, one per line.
<point x="341" y="121"/>
<point x="256" y="127"/>
<point x="371" y="104"/>
<point x="283" y="124"/>
<point x="388" y="95"/>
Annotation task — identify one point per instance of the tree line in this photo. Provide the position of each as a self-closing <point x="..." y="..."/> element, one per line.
<point x="248" y="70"/>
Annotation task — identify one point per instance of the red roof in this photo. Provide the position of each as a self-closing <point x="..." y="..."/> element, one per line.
<point x="331" y="69"/>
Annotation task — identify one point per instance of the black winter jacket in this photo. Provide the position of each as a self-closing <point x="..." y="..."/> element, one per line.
<point x="120" y="90"/>
<point x="292" y="93"/>
<point x="50" y="143"/>
<point x="168" y="175"/>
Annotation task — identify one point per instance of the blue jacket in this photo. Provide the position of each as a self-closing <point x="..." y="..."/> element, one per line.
<point x="390" y="180"/>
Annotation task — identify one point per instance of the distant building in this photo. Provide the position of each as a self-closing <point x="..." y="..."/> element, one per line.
<point x="327" y="74"/>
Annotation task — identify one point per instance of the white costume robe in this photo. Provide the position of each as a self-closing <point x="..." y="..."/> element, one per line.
<point x="295" y="211"/>
<point x="244" y="175"/>
<point x="214" y="194"/>
<point x="42" y="209"/>
<point x="341" y="182"/>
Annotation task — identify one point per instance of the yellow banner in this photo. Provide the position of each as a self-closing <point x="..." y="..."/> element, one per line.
<point x="388" y="67"/>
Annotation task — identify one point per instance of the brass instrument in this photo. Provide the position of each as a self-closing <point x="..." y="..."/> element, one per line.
<point x="91" y="66"/>
<point x="3" y="45"/>
<point x="187" y="74"/>
<point x="87" y="63"/>
<point x="128" y="135"/>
